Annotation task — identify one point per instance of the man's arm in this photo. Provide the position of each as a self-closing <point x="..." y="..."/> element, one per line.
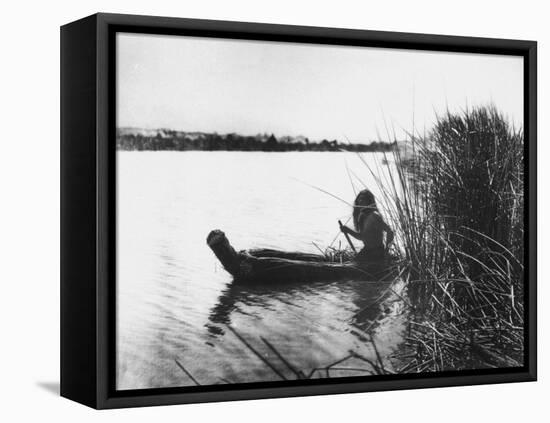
<point x="351" y="232"/>
<point x="389" y="233"/>
<point x="389" y="237"/>
<point x="386" y="228"/>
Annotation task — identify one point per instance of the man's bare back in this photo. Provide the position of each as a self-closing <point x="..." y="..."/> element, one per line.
<point x="371" y="231"/>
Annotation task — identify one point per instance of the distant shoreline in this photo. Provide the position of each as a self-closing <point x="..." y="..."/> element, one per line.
<point x="133" y="139"/>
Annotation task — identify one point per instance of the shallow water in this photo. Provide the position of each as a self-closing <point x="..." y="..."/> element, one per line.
<point x="174" y="300"/>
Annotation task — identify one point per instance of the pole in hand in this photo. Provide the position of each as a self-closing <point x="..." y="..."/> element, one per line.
<point x="347" y="237"/>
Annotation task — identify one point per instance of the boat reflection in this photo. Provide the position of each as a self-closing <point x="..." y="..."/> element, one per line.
<point x="359" y="303"/>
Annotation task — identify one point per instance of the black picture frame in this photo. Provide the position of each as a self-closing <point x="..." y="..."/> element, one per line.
<point x="88" y="208"/>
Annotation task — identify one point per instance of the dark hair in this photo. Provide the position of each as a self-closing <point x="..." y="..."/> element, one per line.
<point x="364" y="202"/>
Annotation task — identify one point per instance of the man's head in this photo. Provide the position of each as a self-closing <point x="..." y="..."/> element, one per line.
<point x="364" y="204"/>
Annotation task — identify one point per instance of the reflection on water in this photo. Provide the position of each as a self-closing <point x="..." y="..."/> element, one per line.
<point x="175" y="301"/>
<point x="351" y="296"/>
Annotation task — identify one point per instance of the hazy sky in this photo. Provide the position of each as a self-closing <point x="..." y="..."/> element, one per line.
<point x="248" y="87"/>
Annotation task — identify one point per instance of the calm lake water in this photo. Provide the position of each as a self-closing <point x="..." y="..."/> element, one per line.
<point x="174" y="299"/>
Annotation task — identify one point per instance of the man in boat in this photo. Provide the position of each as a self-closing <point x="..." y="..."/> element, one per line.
<point x="369" y="228"/>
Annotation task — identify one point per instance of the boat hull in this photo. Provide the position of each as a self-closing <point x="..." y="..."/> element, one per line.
<point x="278" y="267"/>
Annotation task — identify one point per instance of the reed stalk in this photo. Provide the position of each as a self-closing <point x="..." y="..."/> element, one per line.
<point x="455" y="200"/>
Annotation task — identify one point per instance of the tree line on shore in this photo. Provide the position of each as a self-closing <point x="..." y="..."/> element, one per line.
<point x="169" y="140"/>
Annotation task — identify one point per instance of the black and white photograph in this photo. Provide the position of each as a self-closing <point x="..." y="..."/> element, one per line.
<point x="294" y="211"/>
<point x="275" y="211"/>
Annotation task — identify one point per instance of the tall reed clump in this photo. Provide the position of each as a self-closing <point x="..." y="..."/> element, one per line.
<point x="456" y="202"/>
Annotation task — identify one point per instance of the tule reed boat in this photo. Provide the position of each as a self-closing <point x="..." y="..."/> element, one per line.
<point x="267" y="266"/>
